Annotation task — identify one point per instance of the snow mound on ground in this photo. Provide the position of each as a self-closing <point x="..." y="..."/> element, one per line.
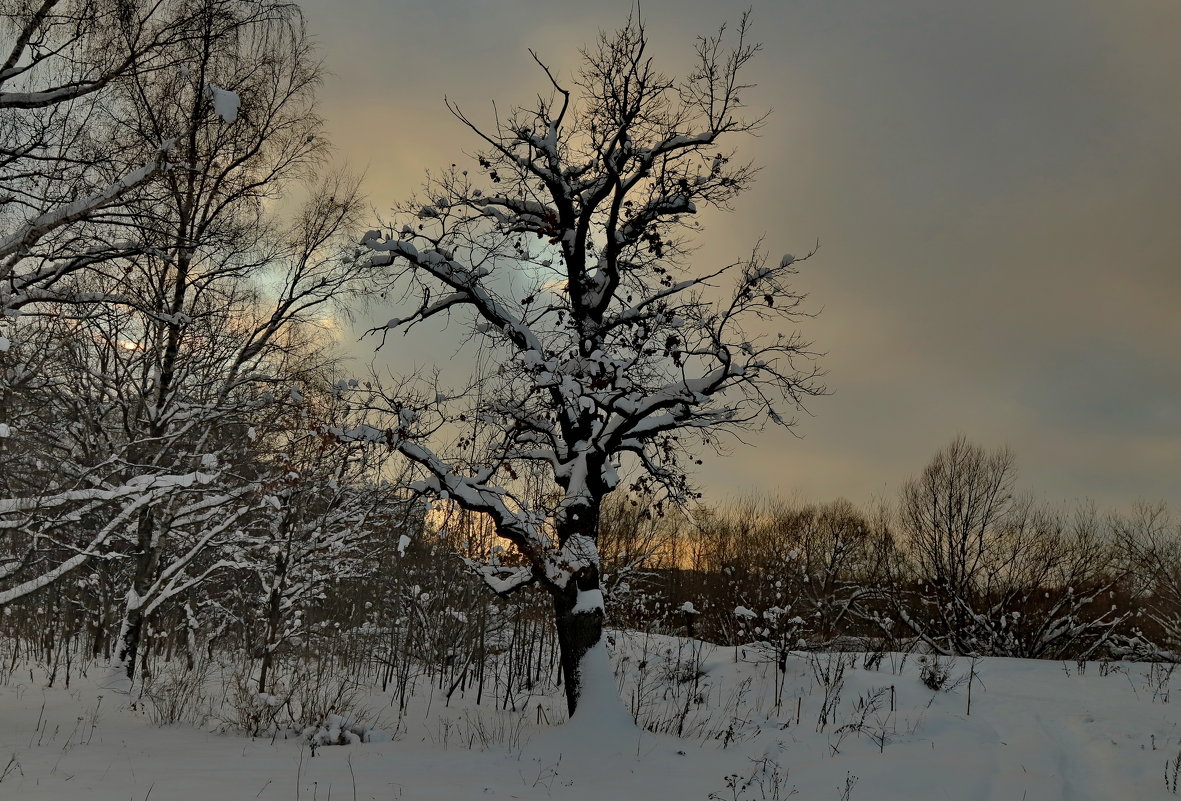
<point x="339" y="730"/>
<point x="601" y="724"/>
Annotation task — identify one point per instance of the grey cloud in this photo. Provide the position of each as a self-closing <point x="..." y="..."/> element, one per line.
<point x="996" y="187"/>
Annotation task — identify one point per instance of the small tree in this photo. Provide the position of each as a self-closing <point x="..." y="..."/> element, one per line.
<point x="569" y="261"/>
<point x="1151" y="543"/>
<point x="315" y="529"/>
<point x="843" y="568"/>
<point x="949" y="516"/>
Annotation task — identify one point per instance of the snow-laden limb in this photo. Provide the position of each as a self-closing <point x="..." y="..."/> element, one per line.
<point x="134" y="495"/>
<point x="36" y="284"/>
<point x="175" y="580"/>
<point x="476" y="495"/>
<point x="94" y="548"/>
<point x="500" y="579"/>
<point x="465" y="283"/>
<point x="140" y="486"/>
<point x="63" y="52"/>
<point x="28" y="234"/>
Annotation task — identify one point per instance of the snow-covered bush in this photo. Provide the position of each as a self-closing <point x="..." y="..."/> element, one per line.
<point x="937" y="672"/>
<point x="178" y="695"/>
<point x="343" y="730"/>
<point x="791" y="576"/>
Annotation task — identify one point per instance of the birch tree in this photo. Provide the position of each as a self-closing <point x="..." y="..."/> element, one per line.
<point x="191" y="306"/>
<point x="567" y="253"/>
<point x="60" y="165"/>
<point x="65" y="61"/>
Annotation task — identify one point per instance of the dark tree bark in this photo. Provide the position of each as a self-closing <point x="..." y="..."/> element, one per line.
<point x="578" y="632"/>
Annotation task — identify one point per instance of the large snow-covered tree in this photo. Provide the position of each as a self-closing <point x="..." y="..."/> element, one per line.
<point x="568" y="252"/>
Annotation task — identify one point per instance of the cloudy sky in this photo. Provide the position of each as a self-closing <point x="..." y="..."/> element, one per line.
<point x="996" y="188"/>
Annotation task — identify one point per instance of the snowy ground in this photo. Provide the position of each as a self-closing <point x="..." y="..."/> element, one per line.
<point x="1037" y="730"/>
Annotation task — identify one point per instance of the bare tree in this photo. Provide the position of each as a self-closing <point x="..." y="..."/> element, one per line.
<point x="1151" y="542"/>
<point x="982" y="571"/>
<point x="567" y="255"/>
<point x="948" y="515"/>
<point x="64" y="63"/>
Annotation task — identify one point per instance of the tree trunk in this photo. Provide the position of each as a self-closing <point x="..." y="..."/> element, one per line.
<point x="579" y="630"/>
<point x="270" y="638"/>
<point x="147" y="559"/>
<point x="147" y="556"/>
<point x="579" y="625"/>
<point x="192" y="652"/>
<point x="129" y="639"/>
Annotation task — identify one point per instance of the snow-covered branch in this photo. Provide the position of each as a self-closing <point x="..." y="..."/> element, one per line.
<point x="28" y="234"/>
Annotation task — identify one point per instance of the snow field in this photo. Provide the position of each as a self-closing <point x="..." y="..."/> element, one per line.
<point x="829" y="726"/>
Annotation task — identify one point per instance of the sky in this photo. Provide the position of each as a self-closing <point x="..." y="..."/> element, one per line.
<point x="996" y="189"/>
